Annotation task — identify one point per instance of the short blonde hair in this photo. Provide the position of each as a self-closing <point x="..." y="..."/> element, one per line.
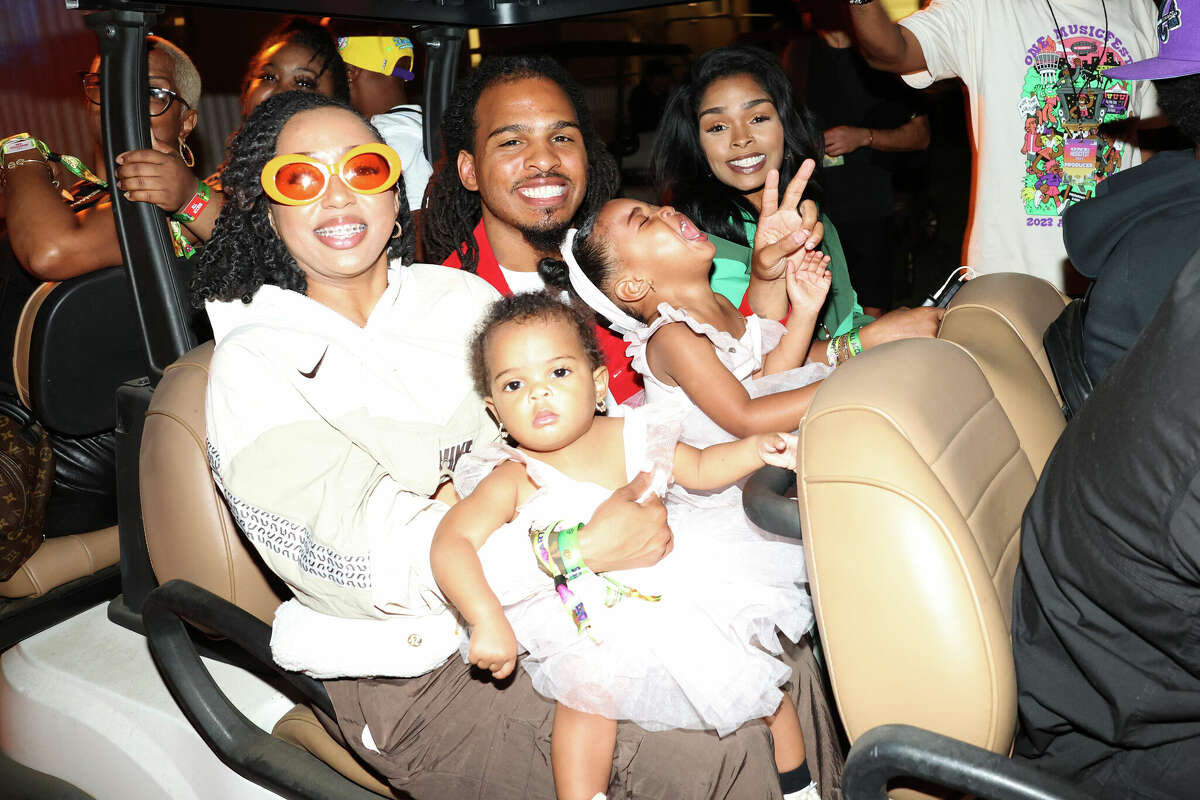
<point x="187" y="79"/>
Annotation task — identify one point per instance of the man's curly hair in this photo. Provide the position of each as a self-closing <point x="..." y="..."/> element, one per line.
<point x="245" y="252"/>
<point x="452" y="211"/>
<point x="523" y="308"/>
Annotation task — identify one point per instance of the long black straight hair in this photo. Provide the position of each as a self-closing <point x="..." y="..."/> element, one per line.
<point x="681" y="172"/>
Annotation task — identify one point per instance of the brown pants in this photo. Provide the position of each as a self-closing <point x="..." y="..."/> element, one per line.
<point x="454" y="734"/>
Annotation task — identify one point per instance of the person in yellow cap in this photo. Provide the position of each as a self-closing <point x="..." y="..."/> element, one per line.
<point x="378" y="68"/>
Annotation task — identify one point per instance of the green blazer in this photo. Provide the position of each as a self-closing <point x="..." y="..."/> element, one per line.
<point x="731" y="277"/>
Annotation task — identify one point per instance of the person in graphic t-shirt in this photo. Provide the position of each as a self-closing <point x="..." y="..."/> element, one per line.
<point x="1048" y="125"/>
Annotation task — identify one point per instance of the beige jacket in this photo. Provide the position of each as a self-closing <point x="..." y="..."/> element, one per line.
<point x="328" y="440"/>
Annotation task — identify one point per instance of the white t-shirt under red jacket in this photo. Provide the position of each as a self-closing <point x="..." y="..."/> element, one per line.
<point x="1035" y="154"/>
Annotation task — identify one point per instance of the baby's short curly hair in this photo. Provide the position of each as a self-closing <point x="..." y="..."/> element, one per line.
<point x="523" y="308"/>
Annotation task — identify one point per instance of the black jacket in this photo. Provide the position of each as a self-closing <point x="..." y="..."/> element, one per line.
<point x="1106" y="607"/>
<point x="1132" y="238"/>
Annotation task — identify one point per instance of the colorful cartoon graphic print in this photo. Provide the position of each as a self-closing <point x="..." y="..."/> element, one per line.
<point x="1064" y="101"/>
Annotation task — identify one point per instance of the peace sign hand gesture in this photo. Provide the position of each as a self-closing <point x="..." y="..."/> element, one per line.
<point x="786" y="229"/>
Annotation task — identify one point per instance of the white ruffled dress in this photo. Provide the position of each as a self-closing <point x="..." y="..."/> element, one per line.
<point x="743" y="357"/>
<point x="698" y="658"/>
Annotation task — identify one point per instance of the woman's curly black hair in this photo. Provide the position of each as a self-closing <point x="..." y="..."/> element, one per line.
<point x="452" y="211"/>
<point x="523" y="308"/>
<point x="298" y="30"/>
<point x="681" y="172"/>
<point x="245" y="252"/>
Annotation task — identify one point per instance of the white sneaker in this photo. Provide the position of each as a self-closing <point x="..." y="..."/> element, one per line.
<point x="809" y="792"/>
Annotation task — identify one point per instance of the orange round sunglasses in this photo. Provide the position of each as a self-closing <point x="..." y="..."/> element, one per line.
<point x="296" y="180"/>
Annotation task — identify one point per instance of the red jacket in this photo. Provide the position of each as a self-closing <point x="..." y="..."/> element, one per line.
<point x="623" y="382"/>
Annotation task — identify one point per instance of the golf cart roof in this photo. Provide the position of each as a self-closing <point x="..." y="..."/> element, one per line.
<point x="465" y="13"/>
<point x="121" y="26"/>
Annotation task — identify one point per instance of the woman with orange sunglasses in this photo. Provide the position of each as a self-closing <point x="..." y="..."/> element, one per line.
<point x="339" y="401"/>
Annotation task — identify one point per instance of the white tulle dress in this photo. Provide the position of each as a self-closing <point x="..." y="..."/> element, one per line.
<point x="743" y="357"/>
<point x="701" y="656"/>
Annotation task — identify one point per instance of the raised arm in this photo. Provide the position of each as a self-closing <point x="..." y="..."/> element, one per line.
<point x="886" y="45"/>
<point x="786" y="229"/>
<point x="687" y="359"/>
<point x="808" y="283"/>
<point x="454" y="558"/>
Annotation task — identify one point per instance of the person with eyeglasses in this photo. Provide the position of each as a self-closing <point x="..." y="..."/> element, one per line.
<point x="297" y="56"/>
<point x="57" y="234"/>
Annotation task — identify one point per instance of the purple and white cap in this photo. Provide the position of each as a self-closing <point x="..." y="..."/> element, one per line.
<point x="1179" y="51"/>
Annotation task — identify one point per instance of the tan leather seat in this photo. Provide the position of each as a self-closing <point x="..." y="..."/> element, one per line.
<point x="61" y="559"/>
<point x="191" y="535"/>
<point x="912" y="483"/>
<point x="189" y="531"/>
<point x="1022" y="303"/>
<point x="23" y="338"/>
<point x="999" y="320"/>
<point x="301" y="727"/>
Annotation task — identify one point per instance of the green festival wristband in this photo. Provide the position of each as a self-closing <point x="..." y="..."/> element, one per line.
<point x="856" y="346"/>
<point x="569" y="552"/>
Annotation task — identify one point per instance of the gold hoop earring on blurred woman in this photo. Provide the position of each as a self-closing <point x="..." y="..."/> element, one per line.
<point x="185" y="152"/>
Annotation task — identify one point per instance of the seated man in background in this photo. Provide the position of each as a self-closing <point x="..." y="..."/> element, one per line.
<point x="378" y="68"/>
<point x="1140" y="229"/>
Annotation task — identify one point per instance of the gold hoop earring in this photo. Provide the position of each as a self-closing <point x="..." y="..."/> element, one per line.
<point x="185" y="152"/>
<point x="601" y="407"/>
<point x="399" y="230"/>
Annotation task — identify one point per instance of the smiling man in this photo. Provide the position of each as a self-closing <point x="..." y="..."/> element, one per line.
<point x="522" y="165"/>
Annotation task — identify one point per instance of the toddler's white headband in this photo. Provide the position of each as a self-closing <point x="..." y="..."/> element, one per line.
<point x="588" y="292"/>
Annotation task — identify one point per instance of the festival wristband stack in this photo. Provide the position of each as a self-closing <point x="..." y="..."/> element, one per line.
<point x="557" y="551"/>
<point x="843" y="348"/>
<point x="549" y="545"/>
<point x="29" y="150"/>
<point x="195" y="207"/>
<point x="559" y="556"/>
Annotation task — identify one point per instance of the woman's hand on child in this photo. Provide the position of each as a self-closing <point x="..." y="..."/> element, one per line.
<point x="808" y="281"/>
<point x="157" y="176"/>
<point x="778" y="449"/>
<point x="625" y="533"/>
<point x="494" y="647"/>
<point x="783" y="232"/>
